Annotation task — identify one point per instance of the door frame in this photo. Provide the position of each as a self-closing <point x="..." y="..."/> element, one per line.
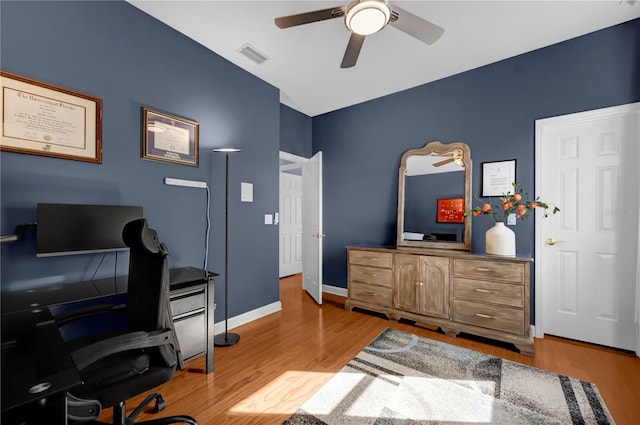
<point x="540" y="126"/>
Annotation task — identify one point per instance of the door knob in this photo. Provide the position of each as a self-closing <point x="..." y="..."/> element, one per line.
<point x="318" y="235"/>
<point x="551" y="241"/>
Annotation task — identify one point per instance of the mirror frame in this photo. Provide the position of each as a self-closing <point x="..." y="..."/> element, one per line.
<point x="435" y="147"/>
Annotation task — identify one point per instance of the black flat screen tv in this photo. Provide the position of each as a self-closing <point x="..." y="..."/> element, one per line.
<point x="65" y="229"/>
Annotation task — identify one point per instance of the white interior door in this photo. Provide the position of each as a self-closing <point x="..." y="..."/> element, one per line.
<point x="312" y="227"/>
<point x="586" y="255"/>
<point x="290" y="223"/>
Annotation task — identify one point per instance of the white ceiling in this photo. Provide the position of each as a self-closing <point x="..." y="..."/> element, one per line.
<point x="304" y="61"/>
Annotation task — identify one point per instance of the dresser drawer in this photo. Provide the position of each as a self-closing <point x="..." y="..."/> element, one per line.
<point x="370" y="293"/>
<point x="371" y="258"/>
<point x="373" y="275"/>
<point x="486" y="269"/>
<point x="488" y="316"/>
<point x="491" y="292"/>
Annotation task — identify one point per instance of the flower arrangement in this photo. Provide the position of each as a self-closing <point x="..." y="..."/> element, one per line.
<point x="512" y="203"/>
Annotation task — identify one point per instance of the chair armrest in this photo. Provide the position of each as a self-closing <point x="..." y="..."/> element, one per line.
<point x="81" y="313"/>
<point x="91" y="353"/>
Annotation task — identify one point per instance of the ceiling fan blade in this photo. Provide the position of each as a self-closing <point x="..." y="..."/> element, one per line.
<point x="309" y="17"/>
<point x="444" y="162"/>
<point x="416" y="27"/>
<point x="353" y="50"/>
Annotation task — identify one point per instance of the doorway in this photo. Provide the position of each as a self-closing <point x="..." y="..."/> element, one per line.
<point x="301" y="220"/>
<point x="290" y="223"/>
<point x="587" y="255"/>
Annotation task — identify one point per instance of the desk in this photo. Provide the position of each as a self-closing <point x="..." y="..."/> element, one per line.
<point x="35" y="367"/>
<point x="182" y="281"/>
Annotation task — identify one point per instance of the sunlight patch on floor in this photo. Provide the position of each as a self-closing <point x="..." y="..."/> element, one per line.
<point x="285" y="394"/>
<point x="358" y="395"/>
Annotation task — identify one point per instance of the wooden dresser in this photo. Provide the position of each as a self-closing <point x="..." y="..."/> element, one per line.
<point x="456" y="291"/>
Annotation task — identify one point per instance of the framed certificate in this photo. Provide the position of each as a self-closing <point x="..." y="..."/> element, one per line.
<point x="168" y="138"/>
<point x="498" y="177"/>
<point x="450" y="210"/>
<point x="47" y="120"/>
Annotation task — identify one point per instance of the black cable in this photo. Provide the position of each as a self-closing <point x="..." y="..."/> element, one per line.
<point x="96" y="271"/>
<point x="115" y="274"/>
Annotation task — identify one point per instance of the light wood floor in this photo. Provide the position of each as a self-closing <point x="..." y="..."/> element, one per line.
<point x="283" y="358"/>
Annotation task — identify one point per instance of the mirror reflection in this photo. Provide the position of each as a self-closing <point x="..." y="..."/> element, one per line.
<point x="433" y="192"/>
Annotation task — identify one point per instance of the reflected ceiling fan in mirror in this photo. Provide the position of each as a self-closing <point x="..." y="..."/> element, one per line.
<point x="455" y="156"/>
<point x="366" y="17"/>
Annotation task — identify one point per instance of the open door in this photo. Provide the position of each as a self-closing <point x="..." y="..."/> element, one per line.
<point x="312" y="227"/>
<point x="586" y="257"/>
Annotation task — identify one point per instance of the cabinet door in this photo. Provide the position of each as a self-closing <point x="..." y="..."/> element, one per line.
<point x="433" y="288"/>
<point x="407" y="273"/>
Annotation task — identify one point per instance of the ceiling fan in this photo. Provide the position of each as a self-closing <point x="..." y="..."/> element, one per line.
<point x="366" y="17"/>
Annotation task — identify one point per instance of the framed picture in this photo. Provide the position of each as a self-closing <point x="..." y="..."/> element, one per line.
<point x="498" y="177"/>
<point x="47" y="120"/>
<point x="168" y="138"/>
<point x="450" y="210"/>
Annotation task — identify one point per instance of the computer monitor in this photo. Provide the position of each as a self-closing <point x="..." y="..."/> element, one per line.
<point x="66" y="229"/>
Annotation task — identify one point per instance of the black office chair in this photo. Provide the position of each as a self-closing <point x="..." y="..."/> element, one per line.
<point x="120" y="365"/>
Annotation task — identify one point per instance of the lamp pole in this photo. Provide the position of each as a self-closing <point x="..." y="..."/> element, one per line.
<point x="227" y="339"/>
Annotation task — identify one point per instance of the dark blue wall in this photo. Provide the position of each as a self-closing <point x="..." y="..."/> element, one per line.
<point x="492" y="109"/>
<point x="295" y="132"/>
<point x="114" y="51"/>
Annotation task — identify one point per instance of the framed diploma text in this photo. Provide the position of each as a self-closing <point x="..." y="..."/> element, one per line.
<point x="43" y="119"/>
<point x="498" y="177"/>
<point x="169" y="138"/>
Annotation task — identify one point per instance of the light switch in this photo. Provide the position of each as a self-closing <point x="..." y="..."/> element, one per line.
<point x="511" y="220"/>
<point x="246" y="192"/>
<point x="268" y="219"/>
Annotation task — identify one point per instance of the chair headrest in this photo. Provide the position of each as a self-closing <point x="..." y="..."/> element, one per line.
<point x="137" y="235"/>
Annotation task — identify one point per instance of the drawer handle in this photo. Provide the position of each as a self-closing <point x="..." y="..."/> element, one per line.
<point x="186" y="294"/>
<point x="372" y="274"/>
<point x="483" y="269"/>
<point x="486" y="291"/>
<point x="188" y="314"/>
<point x="485" y="316"/>
<point x="419" y="284"/>
<point x="373" y="294"/>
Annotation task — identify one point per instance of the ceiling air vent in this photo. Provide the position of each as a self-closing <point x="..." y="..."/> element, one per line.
<point x="253" y="54"/>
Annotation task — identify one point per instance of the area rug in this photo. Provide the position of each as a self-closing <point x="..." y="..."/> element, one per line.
<point x="401" y="378"/>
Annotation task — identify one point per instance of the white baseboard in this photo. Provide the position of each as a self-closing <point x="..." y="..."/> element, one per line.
<point x="247" y="317"/>
<point x="335" y="290"/>
<point x="266" y="310"/>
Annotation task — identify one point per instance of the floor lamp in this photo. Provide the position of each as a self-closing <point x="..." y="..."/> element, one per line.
<point x="226" y="339"/>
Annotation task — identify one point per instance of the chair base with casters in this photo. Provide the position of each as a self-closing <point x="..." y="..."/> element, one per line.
<point x="86" y="412"/>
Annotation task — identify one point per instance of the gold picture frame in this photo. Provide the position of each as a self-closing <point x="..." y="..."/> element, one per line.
<point x="168" y="138"/>
<point x="48" y="120"/>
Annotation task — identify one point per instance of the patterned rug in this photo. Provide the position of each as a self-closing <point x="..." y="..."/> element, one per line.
<point x="401" y="378"/>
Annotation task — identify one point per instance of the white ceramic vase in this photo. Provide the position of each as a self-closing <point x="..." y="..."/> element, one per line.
<point x="500" y="240"/>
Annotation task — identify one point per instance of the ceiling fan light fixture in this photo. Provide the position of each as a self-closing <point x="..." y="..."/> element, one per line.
<point x="365" y="17"/>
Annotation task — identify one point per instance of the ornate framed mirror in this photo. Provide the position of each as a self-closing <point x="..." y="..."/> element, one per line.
<point x="434" y="191"/>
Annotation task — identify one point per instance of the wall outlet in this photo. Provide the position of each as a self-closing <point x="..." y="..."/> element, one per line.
<point x="511" y="220"/>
